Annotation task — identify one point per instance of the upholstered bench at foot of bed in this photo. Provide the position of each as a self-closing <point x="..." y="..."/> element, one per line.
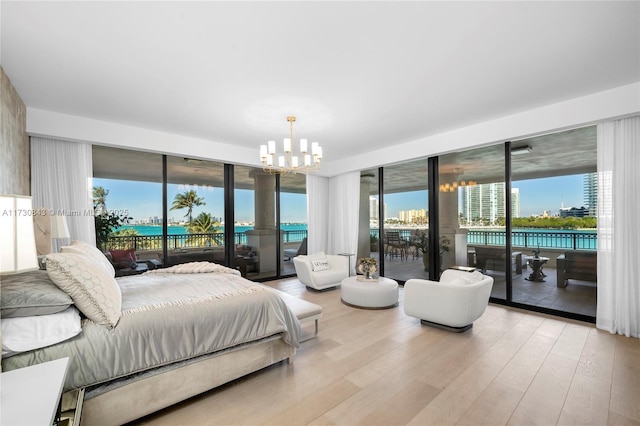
<point x="304" y="311"/>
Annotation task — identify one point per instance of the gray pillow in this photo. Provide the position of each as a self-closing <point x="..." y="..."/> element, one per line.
<point x="29" y="294"/>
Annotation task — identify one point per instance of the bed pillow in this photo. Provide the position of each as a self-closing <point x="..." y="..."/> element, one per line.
<point x="123" y="259"/>
<point x="29" y="333"/>
<point x="29" y="294"/>
<point x="94" y="292"/>
<point x="319" y="261"/>
<point x="80" y="247"/>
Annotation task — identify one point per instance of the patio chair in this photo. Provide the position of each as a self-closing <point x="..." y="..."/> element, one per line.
<point x="291" y="253"/>
<point x="394" y="245"/>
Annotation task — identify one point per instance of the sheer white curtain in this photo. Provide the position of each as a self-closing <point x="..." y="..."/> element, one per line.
<point x="344" y="208"/>
<point x="333" y="207"/>
<point x="61" y="179"/>
<point x="618" y="227"/>
<point x="317" y="213"/>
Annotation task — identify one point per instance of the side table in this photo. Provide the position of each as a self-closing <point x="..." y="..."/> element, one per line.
<point x="348" y="255"/>
<point x="31" y="395"/>
<point x="536" y="263"/>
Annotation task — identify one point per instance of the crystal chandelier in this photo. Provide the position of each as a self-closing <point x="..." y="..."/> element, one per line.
<point x="287" y="162"/>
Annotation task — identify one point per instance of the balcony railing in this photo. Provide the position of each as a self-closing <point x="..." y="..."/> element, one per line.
<point x="570" y="240"/>
<point x="154" y="242"/>
<point x="543" y="239"/>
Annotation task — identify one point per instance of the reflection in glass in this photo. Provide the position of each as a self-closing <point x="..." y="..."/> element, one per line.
<point x="472" y="212"/>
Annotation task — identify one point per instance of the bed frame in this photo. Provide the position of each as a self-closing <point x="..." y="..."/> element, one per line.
<point x="153" y="392"/>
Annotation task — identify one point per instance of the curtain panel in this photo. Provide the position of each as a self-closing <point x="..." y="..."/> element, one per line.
<point x="61" y="180"/>
<point x="618" y="306"/>
<point x="332" y="209"/>
<point x="317" y="213"/>
<point x="344" y="208"/>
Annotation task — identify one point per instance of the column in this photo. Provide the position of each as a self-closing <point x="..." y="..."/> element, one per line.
<point x="263" y="236"/>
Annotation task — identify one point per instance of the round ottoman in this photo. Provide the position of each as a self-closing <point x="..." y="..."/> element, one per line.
<point x="380" y="294"/>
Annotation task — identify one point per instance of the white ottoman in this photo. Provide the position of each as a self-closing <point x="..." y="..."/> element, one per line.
<point x="381" y="294"/>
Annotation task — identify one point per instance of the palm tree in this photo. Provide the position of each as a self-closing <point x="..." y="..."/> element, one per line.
<point x="205" y="224"/>
<point x="100" y="200"/>
<point x="187" y="201"/>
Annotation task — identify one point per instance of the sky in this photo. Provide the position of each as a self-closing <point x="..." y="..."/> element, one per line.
<point x="142" y="199"/>
<point x="536" y="196"/>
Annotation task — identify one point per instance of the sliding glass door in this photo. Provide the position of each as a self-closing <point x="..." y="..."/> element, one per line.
<point x="405" y="222"/>
<point x="293" y="220"/>
<point x="127" y="190"/>
<point x="195" y="210"/>
<point x="471" y="191"/>
<point x="554" y="194"/>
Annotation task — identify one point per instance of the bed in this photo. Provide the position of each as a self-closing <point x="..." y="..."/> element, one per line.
<point x="153" y="339"/>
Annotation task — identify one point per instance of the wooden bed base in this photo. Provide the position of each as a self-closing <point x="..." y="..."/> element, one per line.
<point x="153" y="393"/>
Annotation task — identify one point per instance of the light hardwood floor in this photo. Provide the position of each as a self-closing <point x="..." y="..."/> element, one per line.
<point x="380" y="367"/>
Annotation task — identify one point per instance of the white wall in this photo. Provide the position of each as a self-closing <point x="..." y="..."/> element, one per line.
<point x="606" y="105"/>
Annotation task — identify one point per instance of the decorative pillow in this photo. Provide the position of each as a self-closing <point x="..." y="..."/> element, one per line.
<point x="31" y="293"/>
<point x="124" y="258"/>
<point x="28" y="333"/>
<point x="94" y="292"/>
<point x="319" y="264"/>
<point x="82" y="248"/>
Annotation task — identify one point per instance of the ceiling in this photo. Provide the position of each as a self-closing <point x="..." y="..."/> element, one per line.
<point x="358" y="75"/>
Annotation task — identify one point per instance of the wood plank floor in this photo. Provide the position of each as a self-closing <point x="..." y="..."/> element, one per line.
<point x="381" y="367"/>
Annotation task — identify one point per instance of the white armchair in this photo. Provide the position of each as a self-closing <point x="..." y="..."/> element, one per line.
<point x="320" y="271"/>
<point x="451" y="304"/>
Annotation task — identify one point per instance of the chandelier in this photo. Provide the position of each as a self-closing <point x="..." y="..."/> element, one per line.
<point x="453" y="186"/>
<point x="287" y="162"/>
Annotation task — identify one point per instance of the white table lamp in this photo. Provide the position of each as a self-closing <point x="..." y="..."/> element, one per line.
<point x="17" y="241"/>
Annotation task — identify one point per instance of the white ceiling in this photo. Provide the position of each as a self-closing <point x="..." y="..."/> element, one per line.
<point x="358" y="75"/>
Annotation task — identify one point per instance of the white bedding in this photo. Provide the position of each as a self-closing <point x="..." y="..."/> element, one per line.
<point x="169" y="317"/>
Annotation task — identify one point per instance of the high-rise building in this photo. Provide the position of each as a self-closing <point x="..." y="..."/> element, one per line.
<point x="590" y="190"/>
<point x="413" y="216"/>
<point x="515" y="202"/>
<point x="485" y="203"/>
<point x="373" y="207"/>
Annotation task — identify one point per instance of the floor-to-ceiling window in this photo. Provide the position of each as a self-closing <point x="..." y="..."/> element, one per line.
<point x="256" y="247"/>
<point x="404" y="220"/>
<point x="181" y="210"/>
<point x="195" y="210"/>
<point x="128" y="184"/>
<point x="554" y="199"/>
<point x="521" y="211"/>
<point x="293" y="220"/>
<point x="472" y="213"/>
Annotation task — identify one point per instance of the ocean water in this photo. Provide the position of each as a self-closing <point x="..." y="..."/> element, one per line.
<point x="148" y="230"/>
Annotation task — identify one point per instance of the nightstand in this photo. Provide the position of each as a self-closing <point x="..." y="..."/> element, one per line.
<point x="31" y="395"/>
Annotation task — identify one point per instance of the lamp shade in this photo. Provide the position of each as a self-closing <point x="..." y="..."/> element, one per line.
<point x="17" y="241"/>
<point x="59" y="228"/>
